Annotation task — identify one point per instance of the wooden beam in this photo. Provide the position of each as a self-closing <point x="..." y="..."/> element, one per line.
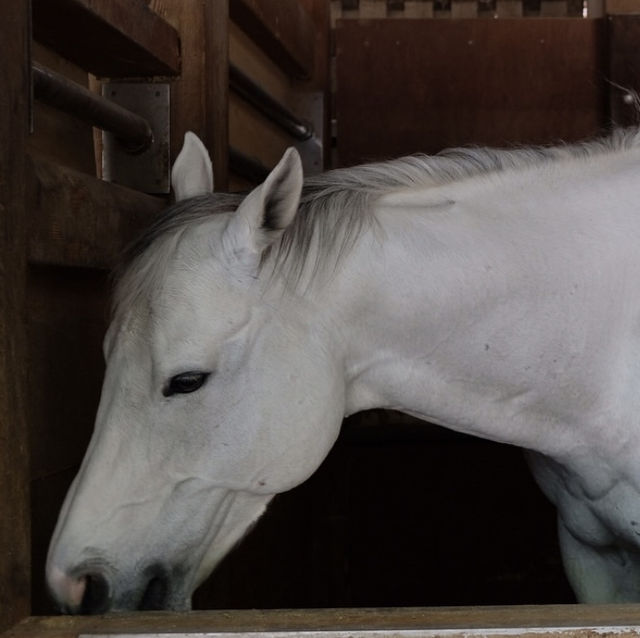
<point x="320" y="12"/>
<point x="283" y="29"/>
<point x="78" y="220"/>
<point x="216" y="76"/>
<point x="561" y="621"/>
<point x="15" y="528"/>
<point x="199" y="97"/>
<point x="454" y="96"/>
<point x="112" y="38"/>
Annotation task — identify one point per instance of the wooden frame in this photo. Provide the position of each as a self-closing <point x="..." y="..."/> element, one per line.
<point x="571" y="621"/>
<point x="63" y="228"/>
<point x="54" y="215"/>
<point x="15" y="558"/>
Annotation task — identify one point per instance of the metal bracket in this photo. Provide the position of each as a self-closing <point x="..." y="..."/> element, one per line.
<point x="311" y="150"/>
<point x="147" y="171"/>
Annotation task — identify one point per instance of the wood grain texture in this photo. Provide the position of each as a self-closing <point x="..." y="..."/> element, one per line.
<point x="408" y="86"/>
<point x="112" y="38"/>
<point x="283" y="29"/>
<point x="78" y="220"/>
<point x="216" y="88"/>
<point x="14" y="448"/>
<point x="199" y="96"/>
<point x="56" y="134"/>
<point x="578" y="621"/>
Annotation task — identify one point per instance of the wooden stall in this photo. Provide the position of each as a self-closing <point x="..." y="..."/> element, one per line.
<point x="374" y="526"/>
<point x="552" y="621"/>
<point x="231" y="72"/>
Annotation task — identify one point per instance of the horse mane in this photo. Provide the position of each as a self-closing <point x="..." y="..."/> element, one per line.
<point x="334" y="206"/>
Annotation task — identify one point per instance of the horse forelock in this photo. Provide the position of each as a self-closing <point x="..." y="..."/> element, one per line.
<point x="335" y="208"/>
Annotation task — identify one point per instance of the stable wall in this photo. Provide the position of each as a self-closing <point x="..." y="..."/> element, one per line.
<point x="390" y="519"/>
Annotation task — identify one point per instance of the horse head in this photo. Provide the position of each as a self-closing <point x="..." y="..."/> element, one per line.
<point x="220" y="391"/>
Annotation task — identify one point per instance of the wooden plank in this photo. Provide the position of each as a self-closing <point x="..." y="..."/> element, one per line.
<point x="509" y="8"/>
<point x="408" y="86"/>
<point x="199" y="97"/>
<point x="554" y="8"/>
<point x="568" y="621"/>
<point x="464" y="9"/>
<point x="216" y="83"/>
<point x="14" y="451"/>
<point x="282" y="28"/>
<point x="57" y="134"/>
<point x="372" y="9"/>
<point x="78" y="220"/>
<point x="68" y="310"/>
<point x="112" y="38"/>
<point x="624" y="68"/>
<point x="418" y="9"/>
<point x="622" y="7"/>
<point x="320" y="81"/>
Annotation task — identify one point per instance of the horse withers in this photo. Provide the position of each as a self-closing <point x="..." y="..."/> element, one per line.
<point x="495" y="293"/>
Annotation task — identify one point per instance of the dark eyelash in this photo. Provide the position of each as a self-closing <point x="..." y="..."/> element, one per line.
<point x="185" y="383"/>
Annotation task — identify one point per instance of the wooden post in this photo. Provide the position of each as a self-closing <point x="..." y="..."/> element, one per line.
<point x="15" y="63"/>
<point x="216" y="77"/>
<point x="199" y="97"/>
<point x="509" y="9"/>
<point x="623" y="32"/>
<point x="418" y="9"/>
<point x="464" y="9"/>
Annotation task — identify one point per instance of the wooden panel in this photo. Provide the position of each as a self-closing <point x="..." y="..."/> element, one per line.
<point x="570" y="621"/>
<point x="68" y="315"/>
<point x="254" y="135"/>
<point x="408" y="86"/>
<point x="113" y="38"/>
<point x="250" y="132"/>
<point x="216" y="88"/>
<point x="78" y="220"/>
<point x="622" y="6"/>
<point x="320" y="12"/>
<point x="282" y="28"/>
<point x="58" y="135"/>
<point x="14" y="451"/>
<point x="199" y="97"/>
<point x="68" y="311"/>
<point x="245" y="54"/>
<point x="624" y="69"/>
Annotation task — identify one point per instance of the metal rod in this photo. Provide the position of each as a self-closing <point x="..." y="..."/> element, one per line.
<point x="255" y="95"/>
<point x="131" y="130"/>
<point x="247" y="167"/>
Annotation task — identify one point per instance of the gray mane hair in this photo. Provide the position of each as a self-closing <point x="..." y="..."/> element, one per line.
<point x="334" y="207"/>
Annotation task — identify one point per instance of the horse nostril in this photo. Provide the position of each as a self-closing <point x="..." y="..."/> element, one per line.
<point x="155" y="595"/>
<point x="96" y="599"/>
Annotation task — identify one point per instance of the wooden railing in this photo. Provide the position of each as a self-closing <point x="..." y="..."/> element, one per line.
<point x="364" y="9"/>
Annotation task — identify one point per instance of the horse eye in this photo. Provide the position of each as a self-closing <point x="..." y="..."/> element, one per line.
<point x="185" y="383"/>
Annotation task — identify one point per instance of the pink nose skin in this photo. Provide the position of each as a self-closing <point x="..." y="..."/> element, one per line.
<point x="68" y="591"/>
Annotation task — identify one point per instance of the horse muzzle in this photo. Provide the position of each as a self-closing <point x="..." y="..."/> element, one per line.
<point x="95" y="590"/>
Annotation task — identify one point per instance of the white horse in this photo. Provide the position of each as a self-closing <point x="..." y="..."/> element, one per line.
<point x="496" y="293"/>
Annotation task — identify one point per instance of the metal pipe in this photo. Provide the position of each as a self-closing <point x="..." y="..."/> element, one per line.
<point x="247" y="167"/>
<point x="255" y="95"/>
<point x="131" y="130"/>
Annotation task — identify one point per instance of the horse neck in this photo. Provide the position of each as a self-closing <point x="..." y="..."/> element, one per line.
<point x="399" y="304"/>
<point x="425" y="328"/>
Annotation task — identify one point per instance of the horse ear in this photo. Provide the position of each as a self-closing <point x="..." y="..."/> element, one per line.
<point x="267" y="210"/>
<point x="192" y="173"/>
